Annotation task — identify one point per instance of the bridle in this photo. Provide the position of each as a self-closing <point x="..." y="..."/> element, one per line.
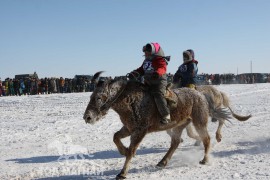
<point x="108" y="103"/>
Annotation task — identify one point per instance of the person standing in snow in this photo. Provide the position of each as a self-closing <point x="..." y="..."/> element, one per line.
<point x="61" y="85"/>
<point x="0" y="88"/>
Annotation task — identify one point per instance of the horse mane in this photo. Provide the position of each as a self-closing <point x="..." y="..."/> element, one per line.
<point x="135" y="85"/>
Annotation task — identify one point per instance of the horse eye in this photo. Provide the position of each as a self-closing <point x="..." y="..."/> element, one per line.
<point x="104" y="96"/>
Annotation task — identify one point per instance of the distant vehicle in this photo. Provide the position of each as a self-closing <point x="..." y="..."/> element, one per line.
<point x="25" y="76"/>
<point x="88" y="77"/>
<point x="232" y="79"/>
<point x="201" y="79"/>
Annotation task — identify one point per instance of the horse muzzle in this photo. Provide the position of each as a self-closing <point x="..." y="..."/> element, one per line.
<point x="89" y="118"/>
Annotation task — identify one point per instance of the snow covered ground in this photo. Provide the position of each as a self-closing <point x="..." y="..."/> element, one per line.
<point x="45" y="137"/>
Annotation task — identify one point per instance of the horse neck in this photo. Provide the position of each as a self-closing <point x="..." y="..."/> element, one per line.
<point x="114" y="99"/>
<point x="131" y="96"/>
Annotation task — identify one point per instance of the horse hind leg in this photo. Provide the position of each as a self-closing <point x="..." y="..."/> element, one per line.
<point x="200" y="124"/>
<point x="218" y="132"/>
<point x="203" y="133"/>
<point x="175" y="141"/>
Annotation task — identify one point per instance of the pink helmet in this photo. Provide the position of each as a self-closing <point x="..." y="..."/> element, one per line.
<point x="153" y="48"/>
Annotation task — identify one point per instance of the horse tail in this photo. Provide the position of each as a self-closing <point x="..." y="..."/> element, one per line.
<point x="239" y="117"/>
<point x="221" y="113"/>
<point x="226" y="104"/>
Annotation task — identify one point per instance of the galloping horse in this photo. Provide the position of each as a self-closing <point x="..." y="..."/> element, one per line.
<point x="139" y="115"/>
<point x="217" y="100"/>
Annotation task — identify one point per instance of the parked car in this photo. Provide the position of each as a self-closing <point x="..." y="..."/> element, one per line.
<point x="88" y="77"/>
<point x="201" y="79"/>
<point x="25" y="76"/>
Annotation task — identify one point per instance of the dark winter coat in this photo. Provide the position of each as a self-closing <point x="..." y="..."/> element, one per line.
<point x="186" y="74"/>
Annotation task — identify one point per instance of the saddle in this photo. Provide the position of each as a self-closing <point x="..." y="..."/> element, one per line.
<point x="171" y="97"/>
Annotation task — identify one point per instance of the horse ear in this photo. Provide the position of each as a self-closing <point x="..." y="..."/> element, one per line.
<point x="100" y="83"/>
<point x="96" y="77"/>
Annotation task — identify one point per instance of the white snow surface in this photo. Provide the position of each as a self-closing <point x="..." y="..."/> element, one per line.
<point x="45" y="137"/>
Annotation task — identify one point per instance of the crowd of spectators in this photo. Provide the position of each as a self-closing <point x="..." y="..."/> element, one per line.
<point x="248" y="78"/>
<point x="33" y="86"/>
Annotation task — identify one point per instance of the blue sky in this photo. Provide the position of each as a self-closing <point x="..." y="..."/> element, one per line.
<point x="67" y="37"/>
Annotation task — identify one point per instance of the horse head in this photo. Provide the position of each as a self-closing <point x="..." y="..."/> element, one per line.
<point x="105" y="94"/>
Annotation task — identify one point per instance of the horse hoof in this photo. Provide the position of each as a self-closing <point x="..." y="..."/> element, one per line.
<point x="218" y="138"/>
<point x="203" y="162"/>
<point x="119" y="177"/>
<point x="161" y="165"/>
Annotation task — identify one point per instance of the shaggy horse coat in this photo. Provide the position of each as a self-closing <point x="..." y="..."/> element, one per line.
<point x="139" y="115"/>
<point x="217" y="100"/>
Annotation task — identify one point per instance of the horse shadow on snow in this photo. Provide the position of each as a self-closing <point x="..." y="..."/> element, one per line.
<point x="253" y="147"/>
<point x="108" y="154"/>
<point x="107" y="174"/>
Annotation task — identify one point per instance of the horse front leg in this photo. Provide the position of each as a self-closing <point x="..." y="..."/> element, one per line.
<point x="135" y="140"/>
<point x="122" y="133"/>
<point x="203" y="133"/>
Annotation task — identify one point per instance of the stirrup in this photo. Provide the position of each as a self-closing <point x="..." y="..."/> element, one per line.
<point x="166" y="119"/>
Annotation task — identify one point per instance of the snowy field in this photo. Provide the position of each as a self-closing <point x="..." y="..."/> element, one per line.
<point x="45" y="137"/>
